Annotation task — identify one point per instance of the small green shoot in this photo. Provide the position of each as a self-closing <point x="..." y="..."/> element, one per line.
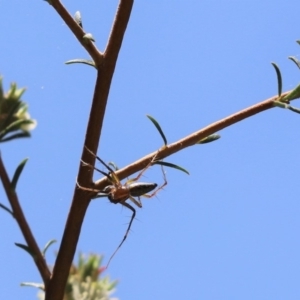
<point x="47" y="246"/>
<point x="26" y="248"/>
<point x="89" y="37"/>
<point x="6" y="209"/>
<point x="112" y="164"/>
<point x="209" y="139"/>
<point x="34" y="284"/>
<point x="81" y="61"/>
<point x="77" y="18"/>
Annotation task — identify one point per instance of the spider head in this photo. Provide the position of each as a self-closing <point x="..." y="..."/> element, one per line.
<point x="108" y="189"/>
<point x="110" y="192"/>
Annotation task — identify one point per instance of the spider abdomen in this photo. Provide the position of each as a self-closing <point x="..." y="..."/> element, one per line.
<point x="137" y="189"/>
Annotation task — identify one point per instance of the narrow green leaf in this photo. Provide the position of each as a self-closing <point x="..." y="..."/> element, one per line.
<point x="18" y="173"/>
<point x="47" y="246"/>
<point x="6" y="209"/>
<point x="295" y="60"/>
<point x="294" y="109"/>
<point x="209" y="139"/>
<point x="18" y="94"/>
<point x="12" y="111"/>
<point x="26" y="248"/>
<point x="89" y="37"/>
<point x="34" y="284"/>
<point x="81" y="61"/>
<point x="170" y="165"/>
<point x="77" y="18"/>
<point x="298" y="42"/>
<point x="15" y="136"/>
<point x="158" y="128"/>
<point x="295" y="93"/>
<point x="279" y="79"/>
<point x="11" y="91"/>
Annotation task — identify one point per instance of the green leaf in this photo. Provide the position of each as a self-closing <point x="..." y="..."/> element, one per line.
<point x="89" y="37"/>
<point x="279" y="79"/>
<point x="13" y="109"/>
<point x="210" y="138"/>
<point x="47" y="246"/>
<point x="294" y="109"/>
<point x="15" y="136"/>
<point x="295" y="60"/>
<point x="26" y="248"/>
<point x="158" y="128"/>
<point x="6" y="209"/>
<point x="81" y="61"/>
<point x="295" y="93"/>
<point x="170" y="165"/>
<point x="298" y="42"/>
<point x="77" y="18"/>
<point x="34" y="284"/>
<point x="18" y="173"/>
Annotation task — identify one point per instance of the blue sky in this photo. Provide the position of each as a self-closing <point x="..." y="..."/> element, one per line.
<point x="229" y="230"/>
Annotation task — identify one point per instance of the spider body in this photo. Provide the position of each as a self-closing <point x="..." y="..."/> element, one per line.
<point x="119" y="193"/>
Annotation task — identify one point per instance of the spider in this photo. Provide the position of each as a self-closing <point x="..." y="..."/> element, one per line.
<point x="119" y="193"/>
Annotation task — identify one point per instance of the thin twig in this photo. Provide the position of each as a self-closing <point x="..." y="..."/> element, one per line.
<point x="25" y="229"/>
<point x="81" y="199"/>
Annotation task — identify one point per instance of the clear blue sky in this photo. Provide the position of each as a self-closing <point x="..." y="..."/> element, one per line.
<point x="230" y="230"/>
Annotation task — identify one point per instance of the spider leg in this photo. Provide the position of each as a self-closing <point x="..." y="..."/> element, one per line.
<point x="138" y="203"/>
<point x="94" y="168"/>
<point x="127" y="231"/>
<point x="144" y="170"/>
<point x="88" y="189"/>
<point x="160" y="187"/>
<point x="112" y="176"/>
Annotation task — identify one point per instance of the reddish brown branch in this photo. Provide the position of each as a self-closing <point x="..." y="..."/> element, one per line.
<point x="191" y="139"/>
<point x="55" y="290"/>
<point x="118" y="29"/>
<point x="25" y="229"/>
